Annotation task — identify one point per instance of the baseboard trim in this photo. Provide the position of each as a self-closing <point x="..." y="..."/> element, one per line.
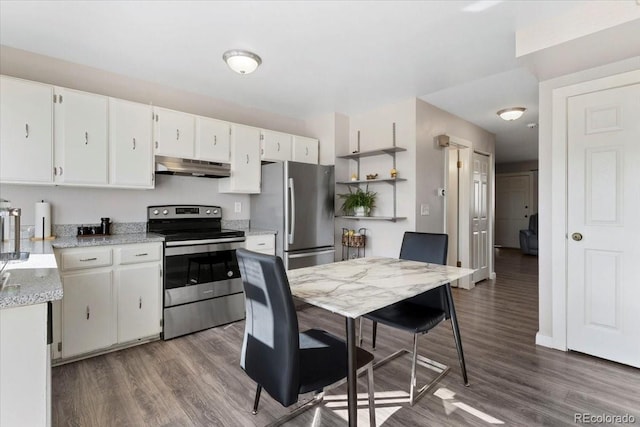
<point x="545" y="341"/>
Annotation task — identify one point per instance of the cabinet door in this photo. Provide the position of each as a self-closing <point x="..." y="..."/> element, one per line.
<point x="139" y="302"/>
<point x="212" y="140"/>
<point x="130" y="144"/>
<point x="245" y="161"/>
<point x="174" y="133"/>
<point x="276" y="146"/>
<point x="80" y="137"/>
<point x="87" y="312"/>
<point x="305" y="150"/>
<point x="26" y="131"/>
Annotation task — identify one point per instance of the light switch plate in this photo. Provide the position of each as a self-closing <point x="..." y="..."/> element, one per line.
<point x="424" y="209"/>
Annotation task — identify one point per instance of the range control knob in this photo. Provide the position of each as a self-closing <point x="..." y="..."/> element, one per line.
<point x="156" y="211"/>
<point x="165" y="212"/>
<point x="208" y="211"/>
<point x="215" y="211"/>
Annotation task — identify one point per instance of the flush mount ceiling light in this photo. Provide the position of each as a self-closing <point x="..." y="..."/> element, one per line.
<point x="513" y="113"/>
<point x="241" y="61"/>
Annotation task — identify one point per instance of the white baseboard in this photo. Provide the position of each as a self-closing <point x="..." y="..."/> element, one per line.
<point x="544" y="341"/>
<point x="492" y="276"/>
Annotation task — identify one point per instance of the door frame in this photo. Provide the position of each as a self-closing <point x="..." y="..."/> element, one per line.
<point x="534" y="206"/>
<point x="559" y="214"/>
<point x="466" y="150"/>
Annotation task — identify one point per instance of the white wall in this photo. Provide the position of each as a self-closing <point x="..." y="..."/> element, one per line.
<point x="551" y="206"/>
<point x="78" y="205"/>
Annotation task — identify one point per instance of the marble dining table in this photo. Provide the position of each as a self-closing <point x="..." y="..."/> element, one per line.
<point x="359" y="286"/>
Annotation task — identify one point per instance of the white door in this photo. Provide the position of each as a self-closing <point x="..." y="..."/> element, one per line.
<point x="26" y="131"/>
<point x="603" y="312"/>
<point x="174" y="133"/>
<point x="139" y="301"/>
<point x="480" y="218"/>
<point x="80" y="137"/>
<point x="305" y="150"/>
<point x="513" y="207"/>
<point x="212" y="140"/>
<point x="130" y="144"/>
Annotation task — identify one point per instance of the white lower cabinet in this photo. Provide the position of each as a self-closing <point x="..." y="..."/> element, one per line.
<point x="87" y="312"/>
<point x="262" y="243"/>
<point x="139" y="300"/>
<point x="112" y="298"/>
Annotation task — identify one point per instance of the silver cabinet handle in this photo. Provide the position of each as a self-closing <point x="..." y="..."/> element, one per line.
<point x="88" y="259"/>
<point x="88" y="313"/>
<point x="61" y="170"/>
<point x="86" y="138"/>
<point x="142" y="254"/>
<point x="177" y="134"/>
<point x="134" y="143"/>
<point x="140" y="303"/>
<point x="26" y="130"/>
<point x="278" y="146"/>
<point x="156" y="144"/>
<point x="306" y="151"/>
<point x="215" y="139"/>
<point x="247" y="159"/>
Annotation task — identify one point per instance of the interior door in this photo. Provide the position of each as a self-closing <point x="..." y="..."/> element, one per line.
<point x="603" y="312"/>
<point x="513" y="207"/>
<point x="480" y="218"/>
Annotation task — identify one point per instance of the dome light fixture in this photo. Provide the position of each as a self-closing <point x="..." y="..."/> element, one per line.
<point x="242" y="61"/>
<point x="513" y="113"/>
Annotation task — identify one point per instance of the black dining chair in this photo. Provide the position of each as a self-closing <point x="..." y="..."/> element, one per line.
<point x="282" y="360"/>
<point x="423" y="312"/>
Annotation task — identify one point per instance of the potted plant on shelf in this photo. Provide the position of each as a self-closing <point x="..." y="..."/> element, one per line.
<point x="358" y="202"/>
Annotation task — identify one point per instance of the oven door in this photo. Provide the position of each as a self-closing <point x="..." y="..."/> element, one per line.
<point x="196" y="272"/>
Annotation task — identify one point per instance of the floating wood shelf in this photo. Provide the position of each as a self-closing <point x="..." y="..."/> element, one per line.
<point x="378" y="152"/>
<point x="371" y="181"/>
<point x="373" y="218"/>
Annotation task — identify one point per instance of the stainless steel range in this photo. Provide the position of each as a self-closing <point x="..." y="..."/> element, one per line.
<point x="202" y="284"/>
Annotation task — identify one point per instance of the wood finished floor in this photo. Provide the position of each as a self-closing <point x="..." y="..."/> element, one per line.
<point x="196" y="380"/>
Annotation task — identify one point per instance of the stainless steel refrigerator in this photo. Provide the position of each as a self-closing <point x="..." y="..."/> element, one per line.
<point x="297" y="202"/>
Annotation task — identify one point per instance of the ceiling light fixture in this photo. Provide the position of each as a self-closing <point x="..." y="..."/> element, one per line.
<point x="242" y="61"/>
<point x="513" y="113"/>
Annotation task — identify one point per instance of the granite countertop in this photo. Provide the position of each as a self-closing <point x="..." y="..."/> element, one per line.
<point x="257" y="231"/>
<point x="37" y="280"/>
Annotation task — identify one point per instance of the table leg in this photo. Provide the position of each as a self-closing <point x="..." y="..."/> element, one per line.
<point x="352" y="378"/>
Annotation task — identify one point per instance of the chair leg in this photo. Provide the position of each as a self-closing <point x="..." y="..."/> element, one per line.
<point x="372" y="400"/>
<point x="375" y="333"/>
<point x="257" y="400"/>
<point x="456" y="335"/>
<point x="414" y="361"/>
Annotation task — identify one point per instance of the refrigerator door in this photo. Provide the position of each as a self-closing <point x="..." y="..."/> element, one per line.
<point x="308" y="258"/>
<point x="309" y="201"/>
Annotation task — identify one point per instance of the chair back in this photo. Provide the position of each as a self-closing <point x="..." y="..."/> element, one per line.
<point x="431" y="248"/>
<point x="270" y="349"/>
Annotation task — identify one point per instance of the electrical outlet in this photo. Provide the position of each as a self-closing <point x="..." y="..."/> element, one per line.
<point x="237" y="208"/>
<point x="424" y="209"/>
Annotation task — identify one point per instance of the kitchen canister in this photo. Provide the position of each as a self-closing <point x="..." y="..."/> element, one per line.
<point x="42" y="229"/>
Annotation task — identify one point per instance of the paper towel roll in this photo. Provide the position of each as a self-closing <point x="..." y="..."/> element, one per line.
<point x="43" y="220"/>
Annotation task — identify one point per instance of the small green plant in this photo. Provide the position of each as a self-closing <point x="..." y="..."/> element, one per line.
<point x="356" y="199"/>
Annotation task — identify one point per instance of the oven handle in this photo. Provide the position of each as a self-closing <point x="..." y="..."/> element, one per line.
<point x="202" y="249"/>
<point x="205" y="241"/>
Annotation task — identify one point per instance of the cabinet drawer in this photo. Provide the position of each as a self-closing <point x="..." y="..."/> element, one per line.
<point x="86" y="258"/>
<point x="260" y="243"/>
<point x="134" y="254"/>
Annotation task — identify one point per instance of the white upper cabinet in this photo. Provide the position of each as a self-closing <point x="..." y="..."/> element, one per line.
<point x="26" y="131"/>
<point x="174" y="133"/>
<point x="130" y="144"/>
<point x="305" y="150"/>
<point x="212" y="140"/>
<point x="245" y="161"/>
<point x="275" y="146"/>
<point x="80" y="137"/>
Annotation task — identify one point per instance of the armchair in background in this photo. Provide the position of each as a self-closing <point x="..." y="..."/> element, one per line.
<point x="529" y="237"/>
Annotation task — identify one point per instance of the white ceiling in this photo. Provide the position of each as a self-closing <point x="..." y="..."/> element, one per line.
<point x="318" y="56"/>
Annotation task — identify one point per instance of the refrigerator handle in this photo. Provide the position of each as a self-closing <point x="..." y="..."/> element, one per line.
<point x="292" y="207"/>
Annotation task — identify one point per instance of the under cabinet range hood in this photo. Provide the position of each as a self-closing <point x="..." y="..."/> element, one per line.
<point x="199" y="168"/>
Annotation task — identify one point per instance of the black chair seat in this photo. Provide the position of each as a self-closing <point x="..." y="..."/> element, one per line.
<point x="408" y="316"/>
<point x="318" y="346"/>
